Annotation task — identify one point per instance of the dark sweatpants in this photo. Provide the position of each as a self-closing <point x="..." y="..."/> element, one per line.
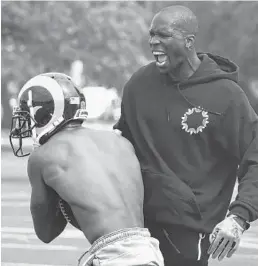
<point x="180" y="246"/>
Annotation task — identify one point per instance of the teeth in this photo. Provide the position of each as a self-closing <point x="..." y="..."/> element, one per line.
<point x="157" y="53"/>
<point x="160" y="64"/>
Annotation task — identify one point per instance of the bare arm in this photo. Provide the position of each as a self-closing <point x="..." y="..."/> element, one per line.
<point x="47" y="218"/>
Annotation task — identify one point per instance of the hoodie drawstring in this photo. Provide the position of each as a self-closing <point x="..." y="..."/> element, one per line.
<point x="168" y="115"/>
<point x="201" y="237"/>
<point x="193" y="105"/>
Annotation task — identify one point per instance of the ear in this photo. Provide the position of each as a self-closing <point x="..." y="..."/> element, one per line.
<point x="189" y="41"/>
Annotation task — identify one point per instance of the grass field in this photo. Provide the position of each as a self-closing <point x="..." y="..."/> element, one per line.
<point x="20" y="246"/>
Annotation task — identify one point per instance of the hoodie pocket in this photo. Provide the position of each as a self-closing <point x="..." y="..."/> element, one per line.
<point x="165" y="193"/>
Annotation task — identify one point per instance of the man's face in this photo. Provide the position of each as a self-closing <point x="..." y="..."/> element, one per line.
<point x="167" y="43"/>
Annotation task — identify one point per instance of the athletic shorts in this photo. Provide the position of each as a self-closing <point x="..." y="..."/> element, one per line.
<point x="126" y="247"/>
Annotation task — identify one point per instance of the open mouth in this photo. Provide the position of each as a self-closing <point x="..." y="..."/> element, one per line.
<point x="161" y="58"/>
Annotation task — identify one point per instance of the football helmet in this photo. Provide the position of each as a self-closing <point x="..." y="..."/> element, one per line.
<point x="46" y="103"/>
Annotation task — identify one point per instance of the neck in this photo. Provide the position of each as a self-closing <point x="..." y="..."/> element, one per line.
<point x="186" y="69"/>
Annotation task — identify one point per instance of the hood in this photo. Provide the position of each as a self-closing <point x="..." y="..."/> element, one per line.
<point x="213" y="67"/>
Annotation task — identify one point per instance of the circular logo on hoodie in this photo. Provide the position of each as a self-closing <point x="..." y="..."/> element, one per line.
<point x="195" y="120"/>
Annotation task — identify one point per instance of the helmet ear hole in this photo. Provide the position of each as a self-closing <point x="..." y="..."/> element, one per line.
<point x="42" y="116"/>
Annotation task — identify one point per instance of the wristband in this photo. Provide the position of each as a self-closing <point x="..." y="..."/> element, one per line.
<point x="242" y="222"/>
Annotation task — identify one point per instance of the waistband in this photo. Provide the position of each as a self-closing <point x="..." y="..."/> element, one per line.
<point x="113" y="237"/>
<point x="118" y="235"/>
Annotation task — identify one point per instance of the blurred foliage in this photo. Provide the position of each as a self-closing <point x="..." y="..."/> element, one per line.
<point x="106" y="36"/>
<point x="111" y="38"/>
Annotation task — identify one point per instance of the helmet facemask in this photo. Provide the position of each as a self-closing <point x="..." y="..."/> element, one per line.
<point x="47" y="103"/>
<point x="23" y="126"/>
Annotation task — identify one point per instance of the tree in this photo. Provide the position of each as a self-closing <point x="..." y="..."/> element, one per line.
<point x="111" y="38"/>
<point x="105" y="36"/>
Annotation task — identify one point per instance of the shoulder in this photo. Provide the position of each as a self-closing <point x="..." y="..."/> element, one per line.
<point x="236" y="94"/>
<point x="34" y="163"/>
<point x="145" y="71"/>
<point x="231" y="88"/>
<point x="53" y="150"/>
<point x="236" y="101"/>
<point x="59" y="147"/>
<point x="115" y="142"/>
<point x="229" y="94"/>
<point x="124" y="142"/>
<point x="141" y="75"/>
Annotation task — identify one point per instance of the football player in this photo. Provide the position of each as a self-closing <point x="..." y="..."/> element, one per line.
<point x="87" y="177"/>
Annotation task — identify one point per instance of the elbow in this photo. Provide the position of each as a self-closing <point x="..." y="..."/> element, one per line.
<point x="45" y="233"/>
<point x="46" y="227"/>
<point x="45" y="240"/>
<point x="48" y="233"/>
<point x="45" y="237"/>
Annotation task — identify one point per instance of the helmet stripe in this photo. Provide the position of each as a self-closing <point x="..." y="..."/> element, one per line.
<point x="54" y="89"/>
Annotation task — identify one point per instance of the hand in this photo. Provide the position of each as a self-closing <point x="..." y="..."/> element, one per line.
<point x="225" y="238"/>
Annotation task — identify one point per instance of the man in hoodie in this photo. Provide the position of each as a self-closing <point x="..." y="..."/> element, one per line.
<point x="191" y="126"/>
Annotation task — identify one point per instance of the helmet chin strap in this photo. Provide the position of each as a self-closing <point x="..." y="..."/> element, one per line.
<point x="29" y="102"/>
